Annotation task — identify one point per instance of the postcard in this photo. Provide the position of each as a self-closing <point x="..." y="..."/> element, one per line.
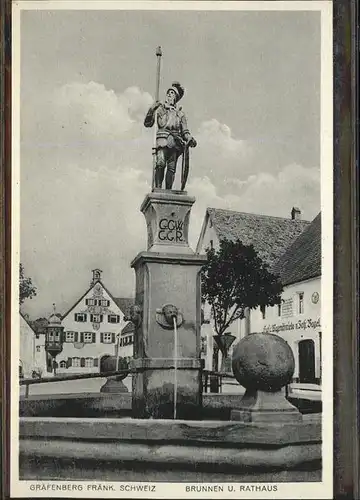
<point x="172" y="215"/>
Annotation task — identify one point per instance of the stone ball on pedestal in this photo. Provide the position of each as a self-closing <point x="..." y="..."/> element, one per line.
<point x="263" y="361"/>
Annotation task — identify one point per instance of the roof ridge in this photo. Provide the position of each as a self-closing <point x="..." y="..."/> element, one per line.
<point x="257" y="215"/>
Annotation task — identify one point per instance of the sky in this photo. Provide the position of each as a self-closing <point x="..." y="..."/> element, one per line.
<point x="252" y="100"/>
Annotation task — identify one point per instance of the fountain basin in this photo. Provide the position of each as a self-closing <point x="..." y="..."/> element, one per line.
<point x="127" y="449"/>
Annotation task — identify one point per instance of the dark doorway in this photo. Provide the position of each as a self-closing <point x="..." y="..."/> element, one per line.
<point x="307" y="362"/>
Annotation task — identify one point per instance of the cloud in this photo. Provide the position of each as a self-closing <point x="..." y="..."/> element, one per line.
<point x="217" y="137"/>
<point x="218" y="153"/>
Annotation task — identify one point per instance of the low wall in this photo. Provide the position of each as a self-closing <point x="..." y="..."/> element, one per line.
<point x="164" y="450"/>
<point x="215" y="406"/>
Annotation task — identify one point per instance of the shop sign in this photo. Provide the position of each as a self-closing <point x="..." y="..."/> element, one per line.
<point x="302" y="324"/>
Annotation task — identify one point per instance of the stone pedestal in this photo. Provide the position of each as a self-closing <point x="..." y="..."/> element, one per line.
<point x="264" y="364"/>
<point x="168" y="274"/>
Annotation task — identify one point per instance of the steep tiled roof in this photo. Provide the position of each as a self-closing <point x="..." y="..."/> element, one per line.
<point x="128" y="328"/>
<point x="302" y="260"/>
<point x="270" y="236"/>
<point x="124" y="303"/>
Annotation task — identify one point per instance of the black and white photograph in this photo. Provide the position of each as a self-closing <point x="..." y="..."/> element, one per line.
<point x="172" y="272"/>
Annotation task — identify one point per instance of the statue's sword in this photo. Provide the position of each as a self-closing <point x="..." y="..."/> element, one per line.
<point x="185" y="166"/>
<point x="157" y="89"/>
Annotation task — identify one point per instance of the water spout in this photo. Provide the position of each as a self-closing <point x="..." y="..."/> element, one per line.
<point x="175" y="364"/>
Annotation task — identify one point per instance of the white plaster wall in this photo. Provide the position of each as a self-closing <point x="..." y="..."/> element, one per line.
<point x="27" y="348"/>
<point x="297" y="326"/>
<point x="209" y="235"/>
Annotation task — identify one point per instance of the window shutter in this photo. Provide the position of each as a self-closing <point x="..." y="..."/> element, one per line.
<point x="82" y="362"/>
<point x="76" y="337"/>
<point x="75" y="316"/>
<point x="96" y="362"/>
<point x="113" y="338"/>
<point x="87" y="302"/>
<point x="101" y="317"/>
<point x="94" y="337"/>
<point x="82" y="337"/>
<point x="69" y="362"/>
<point x="101" y="337"/>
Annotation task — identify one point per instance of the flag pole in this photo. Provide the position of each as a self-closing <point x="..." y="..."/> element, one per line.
<point x="157" y="89"/>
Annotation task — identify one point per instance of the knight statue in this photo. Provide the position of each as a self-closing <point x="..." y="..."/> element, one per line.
<point x="173" y="138"/>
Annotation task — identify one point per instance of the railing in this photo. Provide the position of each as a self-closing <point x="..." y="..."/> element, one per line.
<point x="64" y="378"/>
<point x="81" y="376"/>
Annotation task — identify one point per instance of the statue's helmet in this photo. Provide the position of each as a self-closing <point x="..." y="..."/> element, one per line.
<point x="178" y="89"/>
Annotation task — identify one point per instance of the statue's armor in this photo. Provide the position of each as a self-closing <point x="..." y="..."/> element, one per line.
<point x="171" y="137"/>
<point x="172" y="126"/>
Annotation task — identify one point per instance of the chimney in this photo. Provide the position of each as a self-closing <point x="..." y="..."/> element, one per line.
<point x="295" y="213"/>
<point x="96" y="276"/>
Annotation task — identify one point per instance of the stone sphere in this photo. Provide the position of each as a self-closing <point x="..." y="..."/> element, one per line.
<point x="263" y="361"/>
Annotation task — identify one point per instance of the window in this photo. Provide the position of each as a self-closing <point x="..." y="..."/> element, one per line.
<point x="81" y="317"/>
<point x="51" y="336"/>
<point x="301" y="302"/>
<point x="63" y="364"/>
<point x="70" y="337"/>
<point x="76" y="362"/>
<point x="96" y="318"/>
<point x="89" y="362"/>
<point x="104" y="302"/>
<point x="91" y="302"/>
<point x="38" y="348"/>
<point x="113" y="318"/>
<point x="108" y="337"/>
<point x="88" y="337"/>
<point x="263" y="311"/>
<point x="128" y="340"/>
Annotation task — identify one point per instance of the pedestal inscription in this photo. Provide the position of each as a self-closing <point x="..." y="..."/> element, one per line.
<point x="167" y="216"/>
